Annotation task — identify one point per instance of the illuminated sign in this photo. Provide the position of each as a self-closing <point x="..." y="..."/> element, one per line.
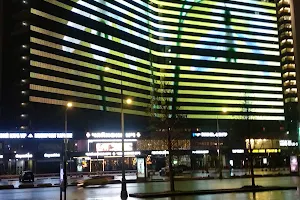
<point x="20" y="156"/>
<point x="141" y="168"/>
<point x="112" y="135"/>
<point x="238" y="151"/>
<point x="294" y="164"/>
<point x="1" y="156"/>
<point x="160" y="152"/>
<point x="265" y="151"/>
<point x="36" y="135"/>
<point x="200" y="152"/>
<point x="13" y="135"/>
<point x="53" y="135"/>
<point x="287" y="143"/>
<point x="51" y="155"/>
<point x="113" y="147"/>
<point x="127" y="153"/>
<point x="210" y="134"/>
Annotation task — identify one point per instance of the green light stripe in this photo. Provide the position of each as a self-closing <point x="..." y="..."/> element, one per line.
<point x="64" y="92"/>
<point x="234" y="79"/>
<point x="235" y="117"/>
<point x="231" y="94"/>
<point x="230" y="101"/>
<point x="229" y="109"/>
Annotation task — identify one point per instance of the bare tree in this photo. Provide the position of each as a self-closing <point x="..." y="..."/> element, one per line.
<point x="165" y="119"/>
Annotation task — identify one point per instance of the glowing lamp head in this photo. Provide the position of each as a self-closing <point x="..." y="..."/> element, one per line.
<point x="129" y="101"/>
<point x="106" y="68"/>
<point x="224" y="110"/>
<point x="69" y="104"/>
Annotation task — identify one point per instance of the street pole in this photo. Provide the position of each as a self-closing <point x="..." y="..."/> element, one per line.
<point x="65" y="148"/>
<point x="65" y="155"/>
<point x="124" y="194"/>
<point x="219" y="150"/>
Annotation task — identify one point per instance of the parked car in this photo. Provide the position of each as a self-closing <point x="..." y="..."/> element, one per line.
<point x="26" y="176"/>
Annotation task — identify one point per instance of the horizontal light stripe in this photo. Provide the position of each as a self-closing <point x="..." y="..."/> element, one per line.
<point x="233" y="79"/>
<point x="236" y="117"/>
<point x="263" y="3"/>
<point x="228" y="5"/>
<point x="231" y="94"/>
<point x="230" y="71"/>
<point x="229" y="109"/>
<point x="64" y="103"/>
<point x="64" y="92"/>
<point x="227" y="102"/>
<point x="231" y="86"/>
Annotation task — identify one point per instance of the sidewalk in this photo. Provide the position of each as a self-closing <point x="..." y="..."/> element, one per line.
<point x="205" y="192"/>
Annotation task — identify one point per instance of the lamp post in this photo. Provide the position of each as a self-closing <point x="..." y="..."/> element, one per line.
<point x="69" y="105"/>
<point x="218" y="146"/>
<point x="124" y="193"/>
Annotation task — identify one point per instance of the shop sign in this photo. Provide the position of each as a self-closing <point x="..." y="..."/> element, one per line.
<point x="287" y="143"/>
<point x="113" y="146"/>
<point x="160" y="152"/>
<point x="127" y="153"/>
<point x="200" y="152"/>
<point x="36" y="135"/>
<point x="51" y="155"/>
<point x="238" y="151"/>
<point x="1" y="156"/>
<point x="210" y="134"/>
<point x="13" y="135"/>
<point x="265" y="151"/>
<point x="111" y="135"/>
<point x="53" y="135"/>
<point x="27" y="155"/>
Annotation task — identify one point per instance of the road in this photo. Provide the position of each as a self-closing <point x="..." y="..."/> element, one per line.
<point x="111" y="192"/>
<point x="131" y="176"/>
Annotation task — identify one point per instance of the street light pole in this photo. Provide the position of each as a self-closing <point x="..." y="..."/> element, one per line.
<point x="124" y="193"/>
<point x="224" y="110"/>
<point x="219" y="150"/>
<point x="65" y="180"/>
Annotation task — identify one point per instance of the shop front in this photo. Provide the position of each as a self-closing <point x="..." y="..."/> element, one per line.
<point x="104" y="152"/>
<point x="39" y="152"/>
<point x="271" y="153"/>
<point x="205" y="150"/>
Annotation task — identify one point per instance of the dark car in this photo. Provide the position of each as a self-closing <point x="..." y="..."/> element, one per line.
<point x="26" y="176"/>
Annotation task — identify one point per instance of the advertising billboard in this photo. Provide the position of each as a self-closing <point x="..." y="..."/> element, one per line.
<point x="114" y="146"/>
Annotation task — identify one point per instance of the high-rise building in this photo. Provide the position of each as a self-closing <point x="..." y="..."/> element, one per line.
<point x="215" y="55"/>
<point x="288" y="26"/>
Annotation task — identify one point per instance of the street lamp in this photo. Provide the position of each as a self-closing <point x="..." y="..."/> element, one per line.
<point x="224" y="110"/>
<point x="68" y="106"/>
<point x="124" y="193"/>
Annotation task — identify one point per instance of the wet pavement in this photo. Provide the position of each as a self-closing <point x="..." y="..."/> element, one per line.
<point x="131" y="176"/>
<point x="111" y="192"/>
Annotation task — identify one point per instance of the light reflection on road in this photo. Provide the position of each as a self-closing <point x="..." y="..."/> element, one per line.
<point x="112" y="192"/>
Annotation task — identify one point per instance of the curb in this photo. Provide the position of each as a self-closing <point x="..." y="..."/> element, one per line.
<point x="205" y="192"/>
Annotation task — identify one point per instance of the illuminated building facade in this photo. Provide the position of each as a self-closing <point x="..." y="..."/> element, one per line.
<point x="287" y="25"/>
<point x="213" y="54"/>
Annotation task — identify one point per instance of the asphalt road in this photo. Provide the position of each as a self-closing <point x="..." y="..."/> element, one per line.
<point x="226" y="173"/>
<point x="111" y="192"/>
